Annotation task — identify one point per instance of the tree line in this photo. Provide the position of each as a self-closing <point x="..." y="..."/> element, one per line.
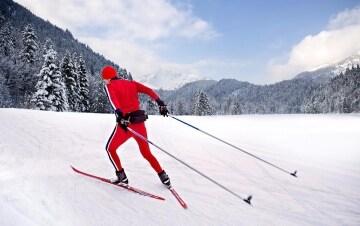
<point x="340" y="94"/>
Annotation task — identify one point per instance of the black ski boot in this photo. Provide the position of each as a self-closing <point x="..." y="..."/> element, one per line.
<point x="165" y="179"/>
<point x="120" y="178"/>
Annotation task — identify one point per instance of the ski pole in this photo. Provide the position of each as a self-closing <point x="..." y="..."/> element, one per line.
<point x="277" y="167"/>
<point x="247" y="200"/>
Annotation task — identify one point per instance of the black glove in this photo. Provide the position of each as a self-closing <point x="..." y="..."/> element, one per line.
<point x="121" y="120"/>
<point x="162" y="108"/>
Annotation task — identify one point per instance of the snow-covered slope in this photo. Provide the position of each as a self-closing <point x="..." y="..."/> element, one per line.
<point x="39" y="188"/>
<point x="167" y="80"/>
<point x="329" y="71"/>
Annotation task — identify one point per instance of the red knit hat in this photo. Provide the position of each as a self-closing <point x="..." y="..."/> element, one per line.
<point x="108" y="72"/>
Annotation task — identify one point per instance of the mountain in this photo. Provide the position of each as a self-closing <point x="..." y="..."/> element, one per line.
<point x="325" y="73"/>
<point x="167" y="80"/>
<point x="329" y="89"/>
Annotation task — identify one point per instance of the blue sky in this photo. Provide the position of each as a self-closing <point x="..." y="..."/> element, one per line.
<point x="260" y="42"/>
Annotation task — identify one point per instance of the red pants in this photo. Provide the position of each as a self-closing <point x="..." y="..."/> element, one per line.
<point x="119" y="136"/>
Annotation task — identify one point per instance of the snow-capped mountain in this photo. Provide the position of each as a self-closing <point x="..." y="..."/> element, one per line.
<point x="167" y="80"/>
<point x="326" y="72"/>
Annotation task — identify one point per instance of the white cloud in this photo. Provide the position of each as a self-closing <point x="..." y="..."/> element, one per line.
<point x="142" y="19"/>
<point x="345" y="18"/>
<point x="128" y="54"/>
<point x="122" y="31"/>
<point x="338" y="41"/>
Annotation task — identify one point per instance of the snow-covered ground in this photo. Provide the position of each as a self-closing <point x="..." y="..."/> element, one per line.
<point x="38" y="186"/>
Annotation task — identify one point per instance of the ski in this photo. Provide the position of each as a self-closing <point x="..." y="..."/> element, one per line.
<point x="177" y="196"/>
<point x="129" y="188"/>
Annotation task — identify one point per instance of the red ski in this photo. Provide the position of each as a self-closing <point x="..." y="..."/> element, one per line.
<point x="177" y="196"/>
<point x="129" y="188"/>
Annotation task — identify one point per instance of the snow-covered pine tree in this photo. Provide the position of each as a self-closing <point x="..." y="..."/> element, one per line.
<point x="7" y="64"/>
<point x="227" y="106"/>
<point x="202" y="104"/>
<point x="70" y="77"/>
<point x="84" y="86"/>
<point x="122" y="73"/>
<point x="180" y="109"/>
<point x="151" y="107"/>
<point x="75" y="61"/>
<point x="28" y="65"/>
<point x="236" y="108"/>
<point x="7" y="40"/>
<point x="50" y="89"/>
<point x="99" y="102"/>
<point x="5" y="100"/>
<point x="30" y="47"/>
<point x="346" y="105"/>
<point x="129" y="77"/>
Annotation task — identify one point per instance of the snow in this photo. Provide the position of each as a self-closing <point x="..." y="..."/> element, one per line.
<point x="38" y="186"/>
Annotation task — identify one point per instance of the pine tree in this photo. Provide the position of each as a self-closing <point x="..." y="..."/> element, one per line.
<point x="84" y="85"/>
<point x="236" y="108"/>
<point x="75" y="61"/>
<point x="29" y="51"/>
<point x="228" y="105"/>
<point x="70" y="77"/>
<point x="346" y="105"/>
<point x="99" y="102"/>
<point x="5" y="100"/>
<point x="151" y="107"/>
<point x="180" y="110"/>
<point x="50" y="94"/>
<point x="202" y="104"/>
<point x="122" y="73"/>
<point x="7" y="40"/>
<point x="28" y="65"/>
<point x="129" y="77"/>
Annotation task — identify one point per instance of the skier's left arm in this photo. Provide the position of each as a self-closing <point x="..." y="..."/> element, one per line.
<point x="146" y="90"/>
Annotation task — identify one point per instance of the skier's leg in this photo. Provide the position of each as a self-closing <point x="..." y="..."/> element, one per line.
<point x="144" y="147"/>
<point x="117" y="138"/>
<point x="146" y="153"/>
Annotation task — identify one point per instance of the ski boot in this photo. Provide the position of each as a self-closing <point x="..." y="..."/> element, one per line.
<point x="165" y="179"/>
<point x="120" y="178"/>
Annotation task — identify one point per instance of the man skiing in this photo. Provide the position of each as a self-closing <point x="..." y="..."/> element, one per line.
<point x="123" y="96"/>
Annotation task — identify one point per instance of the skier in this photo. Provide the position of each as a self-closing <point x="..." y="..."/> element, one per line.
<point x="123" y="96"/>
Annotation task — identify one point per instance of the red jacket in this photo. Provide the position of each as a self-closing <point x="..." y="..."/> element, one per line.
<point x="123" y="94"/>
